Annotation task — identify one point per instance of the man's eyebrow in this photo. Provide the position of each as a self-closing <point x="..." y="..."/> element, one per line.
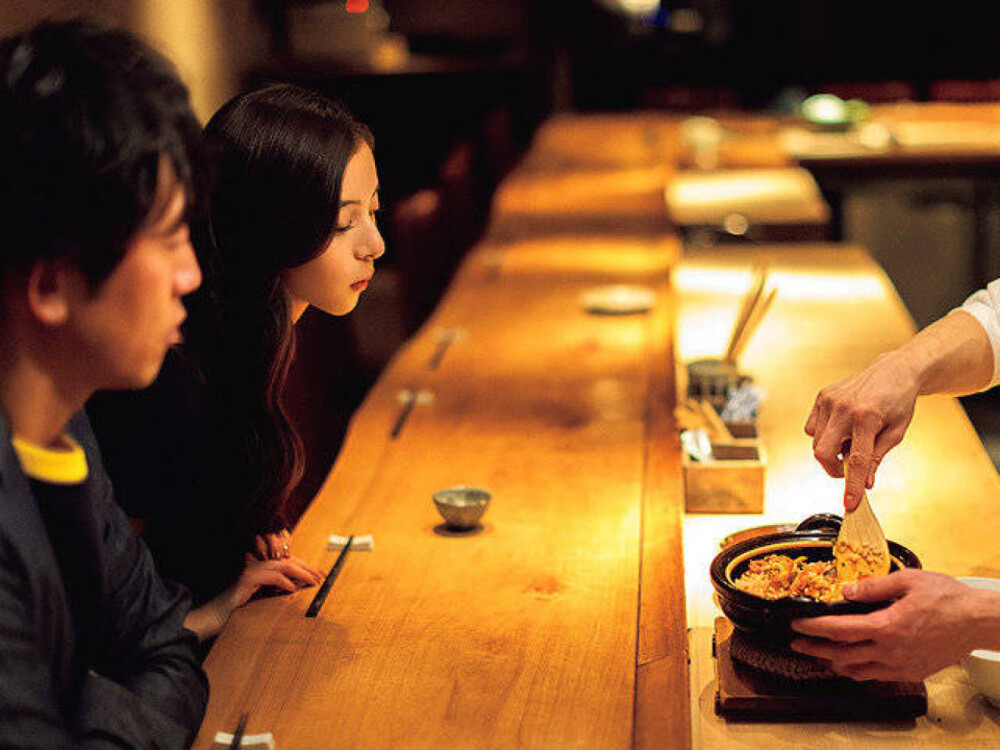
<point x="177" y="224"/>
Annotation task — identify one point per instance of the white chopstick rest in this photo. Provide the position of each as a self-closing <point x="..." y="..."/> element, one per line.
<point x="264" y="741"/>
<point x="361" y="543"/>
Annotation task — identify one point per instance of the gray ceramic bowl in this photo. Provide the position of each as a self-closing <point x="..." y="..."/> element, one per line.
<point x="462" y="507"/>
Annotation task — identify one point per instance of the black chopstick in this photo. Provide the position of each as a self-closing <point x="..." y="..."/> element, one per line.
<point x="324" y="589"/>
<point x="241" y="727"/>
<point x="446" y="339"/>
<point x="408" y="404"/>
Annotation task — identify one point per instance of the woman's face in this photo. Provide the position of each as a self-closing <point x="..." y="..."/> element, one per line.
<point x="334" y="280"/>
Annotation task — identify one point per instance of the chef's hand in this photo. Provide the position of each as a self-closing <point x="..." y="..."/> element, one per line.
<point x="871" y="410"/>
<point x="933" y="623"/>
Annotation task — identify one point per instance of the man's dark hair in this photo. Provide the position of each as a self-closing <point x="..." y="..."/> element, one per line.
<point x="86" y="114"/>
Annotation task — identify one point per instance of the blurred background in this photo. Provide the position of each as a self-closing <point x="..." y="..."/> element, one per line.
<point x="454" y="89"/>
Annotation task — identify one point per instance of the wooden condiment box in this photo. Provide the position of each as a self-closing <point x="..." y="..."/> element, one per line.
<point x="733" y="482"/>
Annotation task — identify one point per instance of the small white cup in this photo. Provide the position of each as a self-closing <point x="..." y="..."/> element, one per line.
<point x="982" y="666"/>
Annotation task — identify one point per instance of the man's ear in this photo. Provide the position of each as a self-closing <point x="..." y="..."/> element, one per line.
<point x="52" y="284"/>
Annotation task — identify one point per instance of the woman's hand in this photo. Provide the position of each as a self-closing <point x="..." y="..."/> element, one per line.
<point x="933" y="623"/>
<point x="288" y="575"/>
<point x="273" y="546"/>
<point x="871" y="410"/>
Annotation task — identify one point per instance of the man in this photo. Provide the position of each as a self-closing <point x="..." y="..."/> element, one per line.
<point x="934" y="620"/>
<point x="98" y="154"/>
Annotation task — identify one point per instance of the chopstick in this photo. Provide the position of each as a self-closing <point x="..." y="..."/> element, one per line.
<point x="320" y="599"/>
<point x="749" y="315"/>
<point x="746" y="307"/>
<point x="445" y="338"/>
<point x="442" y="347"/>
<point x="409" y="400"/>
<point x="241" y="727"/>
<point x="753" y="322"/>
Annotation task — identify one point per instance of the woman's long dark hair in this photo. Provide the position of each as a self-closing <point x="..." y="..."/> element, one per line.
<point x="280" y="155"/>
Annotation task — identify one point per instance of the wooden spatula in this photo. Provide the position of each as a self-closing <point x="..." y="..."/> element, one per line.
<point x="861" y="548"/>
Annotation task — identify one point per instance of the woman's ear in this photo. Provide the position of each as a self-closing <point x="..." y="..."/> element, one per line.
<point x="51" y="285"/>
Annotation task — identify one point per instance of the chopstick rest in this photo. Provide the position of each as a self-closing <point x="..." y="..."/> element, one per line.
<point x="263" y="741"/>
<point x="363" y="543"/>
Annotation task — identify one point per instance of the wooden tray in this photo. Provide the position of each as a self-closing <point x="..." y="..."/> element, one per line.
<point x="744" y="694"/>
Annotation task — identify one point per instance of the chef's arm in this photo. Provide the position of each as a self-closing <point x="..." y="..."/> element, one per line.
<point x="953" y="355"/>
<point x="872" y="409"/>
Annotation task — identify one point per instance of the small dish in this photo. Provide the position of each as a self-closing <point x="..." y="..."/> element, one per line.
<point x="461" y="507"/>
<point x="983" y="666"/>
<point x="618" y="299"/>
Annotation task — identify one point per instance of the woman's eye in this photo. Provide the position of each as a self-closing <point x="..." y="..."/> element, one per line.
<point x="179" y="240"/>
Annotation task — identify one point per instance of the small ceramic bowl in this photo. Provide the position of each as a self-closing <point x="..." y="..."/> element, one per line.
<point x="462" y="507"/>
<point x="982" y="666"/>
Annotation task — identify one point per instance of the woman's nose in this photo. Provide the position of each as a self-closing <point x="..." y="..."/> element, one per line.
<point x="188" y="275"/>
<point x="374" y="245"/>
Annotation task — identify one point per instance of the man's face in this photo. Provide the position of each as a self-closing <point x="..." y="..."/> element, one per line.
<point x="125" y="326"/>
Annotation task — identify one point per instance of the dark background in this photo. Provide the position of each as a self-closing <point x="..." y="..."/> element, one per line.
<point x="471" y="80"/>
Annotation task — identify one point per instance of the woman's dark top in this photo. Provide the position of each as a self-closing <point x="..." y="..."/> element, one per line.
<point x="162" y="449"/>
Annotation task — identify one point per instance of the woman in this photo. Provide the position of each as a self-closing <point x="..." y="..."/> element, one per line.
<point x="206" y="457"/>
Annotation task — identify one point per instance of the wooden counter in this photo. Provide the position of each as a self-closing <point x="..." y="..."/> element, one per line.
<point x="771" y="204"/>
<point x="914" y="138"/>
<point x="562" y="622"/>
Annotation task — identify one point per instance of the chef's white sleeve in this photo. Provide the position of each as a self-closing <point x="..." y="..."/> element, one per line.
<point x="984" y="306"/>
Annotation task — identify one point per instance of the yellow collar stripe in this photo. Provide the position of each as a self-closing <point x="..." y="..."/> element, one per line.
<point x="67" y="466"/>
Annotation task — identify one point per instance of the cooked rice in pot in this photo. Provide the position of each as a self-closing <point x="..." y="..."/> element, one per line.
<point x="780" y="576"/>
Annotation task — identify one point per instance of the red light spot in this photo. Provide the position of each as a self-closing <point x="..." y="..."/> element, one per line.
<point x="357" y="6"/>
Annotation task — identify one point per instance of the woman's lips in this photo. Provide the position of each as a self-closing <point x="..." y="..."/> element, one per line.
<point x="360" y="286"/>
<point x="175" y="336"/>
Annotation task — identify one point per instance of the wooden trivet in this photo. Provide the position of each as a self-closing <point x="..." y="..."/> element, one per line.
<point x="746" y="693"/>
